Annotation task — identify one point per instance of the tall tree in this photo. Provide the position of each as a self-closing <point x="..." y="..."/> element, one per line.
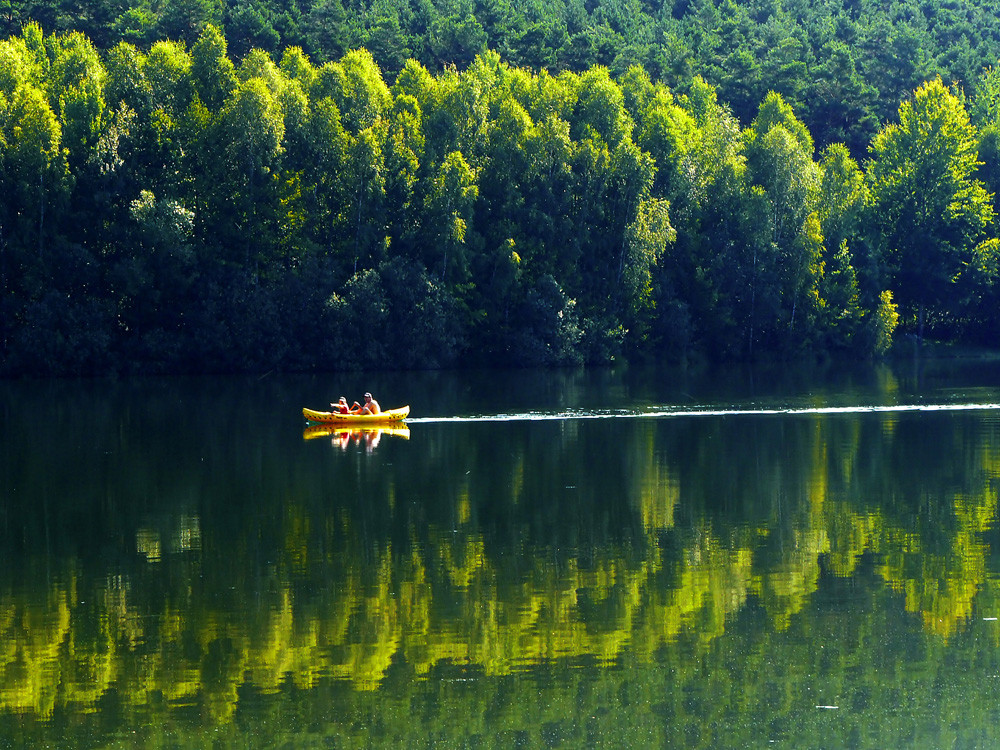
<point x="35" y="171"/>
<point x="34" y="180"/>
<point x="213" y="73"/>
<point x="843" y="193"/>
<point x="449" y="206"/>
<point x="184" y="20"/>
<point x="254" y="128"/>
<point x="167" y="68"/>
<point x="325" y="30"/>
<point x="646" y="238"/>
<point x="779" y="160"/>
<point x="932" y="211"/>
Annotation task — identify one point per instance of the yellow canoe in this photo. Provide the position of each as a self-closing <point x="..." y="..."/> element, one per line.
<point x="334" y="417"/>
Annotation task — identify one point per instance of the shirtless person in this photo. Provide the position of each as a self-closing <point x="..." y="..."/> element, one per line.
<point x="371" y="405"/>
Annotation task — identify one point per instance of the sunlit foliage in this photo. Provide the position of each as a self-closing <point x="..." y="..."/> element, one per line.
<point x="545" y="219"/>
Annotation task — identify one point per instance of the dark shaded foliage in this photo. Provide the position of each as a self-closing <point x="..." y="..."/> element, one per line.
<point x="221" y="202"/>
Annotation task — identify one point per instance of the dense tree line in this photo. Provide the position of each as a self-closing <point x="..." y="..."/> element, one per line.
<point x="174" y="208"/>
<point x="843" y="66"/>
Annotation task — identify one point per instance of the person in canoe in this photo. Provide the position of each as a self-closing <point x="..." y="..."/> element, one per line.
<point x="371" y="405"/>
<point x="342" y="407"/>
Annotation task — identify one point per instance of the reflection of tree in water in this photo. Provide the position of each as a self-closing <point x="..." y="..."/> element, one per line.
<point x="676" y="538"/>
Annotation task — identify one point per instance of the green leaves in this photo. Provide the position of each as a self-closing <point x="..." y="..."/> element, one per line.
<point x="601" y="213"/>
<point x="18" y="65"/>
<point x="32" y="133"/>
<point x="600" y="109"/>
<point x="933" y="210"/>
<point x="167" y="67"/>
<point x="449" y="202"/>
<point x="186" y="19"/>
<point x="254" y="125"/>
<point x="364" y="97"/>
<point x="213" y="73"/>
<point x="35" y="173"/>
<point x="646" y="239"/>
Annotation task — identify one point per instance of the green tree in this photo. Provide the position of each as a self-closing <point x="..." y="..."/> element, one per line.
<point x="669" y="133"/>
<point x="985" y="106"/>
<point x="364" y="97"/>
<point x="843" y="194"/>
<point x="251" y="26"/>
<point x="34" y="180"/>
<point x="449" y="203"/>
<point x="153" y="280"/>
<point x="75" y="86"/>
<point x="212" y="72"/>
<point x="984" y="112"/>
<point x="167" y="68"/>
<point x="366" y="206"/>
<point x="296" y="66"/>
<point x="254" y="130"/>
<point x="640" y="225"/>
<point x="137" y="25"/>
<point x="20" y="64"/>
<point x="325" y="162"/>
<point x="716" y="152"/>
<point x="127" y="84"/>
<point x="184" y="20"/>
<point x="646" y="237"/>
<point x="419" y="323"/>
<point x="35" y="171"/>
<point x="389" y="43"/>
<point x="932" y="210"/>
<point x="698" y="148"/>
<point x="404" y="154"/>
<point x="779" y="160"/>
<point x="325" y="30"/>
<point x="839" y="104"/>
<point x="600" y="109"/>
<point x="457" y="39"/>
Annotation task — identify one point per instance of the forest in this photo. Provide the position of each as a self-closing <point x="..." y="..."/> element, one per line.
<point x="199" y="186"/>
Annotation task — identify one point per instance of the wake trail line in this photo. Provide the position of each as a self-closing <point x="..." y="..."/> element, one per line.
<point x="701" y="412"/>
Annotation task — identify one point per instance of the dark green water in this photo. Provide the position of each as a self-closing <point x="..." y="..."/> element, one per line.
<point x="588" y="558"/>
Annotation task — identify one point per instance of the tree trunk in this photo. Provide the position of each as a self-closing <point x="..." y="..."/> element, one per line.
<point x="41" y="213"/>
<point x="753" y="302"/>
<point x="357" y="227"/>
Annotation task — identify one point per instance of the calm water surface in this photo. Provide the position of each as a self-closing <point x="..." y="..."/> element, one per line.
<point x="629" y="557"/>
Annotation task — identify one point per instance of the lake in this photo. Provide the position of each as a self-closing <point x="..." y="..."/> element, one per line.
<point x="621" y="557"/>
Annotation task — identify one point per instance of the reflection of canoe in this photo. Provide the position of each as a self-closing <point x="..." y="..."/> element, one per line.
<point x="332" y="417"/>
<point x="335" y="430"/>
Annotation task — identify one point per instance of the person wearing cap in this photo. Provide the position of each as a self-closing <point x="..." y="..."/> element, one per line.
<point x="371" y="405"/>
<point x="341" y="406"/>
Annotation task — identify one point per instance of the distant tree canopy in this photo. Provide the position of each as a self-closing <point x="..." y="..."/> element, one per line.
<point x="171" y="206"/>
<point x="843" y="67"/>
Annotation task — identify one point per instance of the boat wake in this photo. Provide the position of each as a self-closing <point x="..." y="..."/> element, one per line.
<point x="696" y="411"/>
